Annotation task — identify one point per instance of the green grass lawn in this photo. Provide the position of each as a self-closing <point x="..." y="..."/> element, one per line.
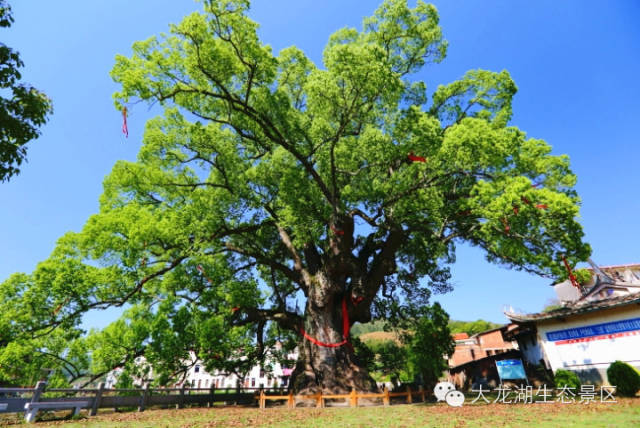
<point x="624" y="413"/>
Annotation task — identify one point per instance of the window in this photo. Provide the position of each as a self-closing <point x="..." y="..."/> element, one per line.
<point x="261" y="373"/>
<point x="197" y="368"/>
<point x="199" y="383"/>
<point x="473" y="355"/>
<point x="253" y="382"/>
<point x="285" y="380"/>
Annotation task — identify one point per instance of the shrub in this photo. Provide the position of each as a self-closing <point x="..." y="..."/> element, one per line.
<point x="566" y="378"/>
<point x="583" y="276"/>
<point x="624" y="377"/>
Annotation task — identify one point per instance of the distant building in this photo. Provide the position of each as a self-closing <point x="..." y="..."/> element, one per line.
<point x="480" y="345"/>
<point x="198" y="377"/>
<point x="596" y="324"/>
<point x="474" y="357"/>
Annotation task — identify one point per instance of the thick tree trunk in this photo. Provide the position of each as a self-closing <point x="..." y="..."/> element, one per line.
<point x="330" y="369"/>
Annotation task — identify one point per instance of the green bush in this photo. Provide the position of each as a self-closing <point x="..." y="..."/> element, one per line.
<point x="566" y="378"/>
<point x="624" y="377"/>
<point x="583" y="276"/>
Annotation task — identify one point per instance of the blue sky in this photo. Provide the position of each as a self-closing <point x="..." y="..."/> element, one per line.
<point x="576" y="64"/>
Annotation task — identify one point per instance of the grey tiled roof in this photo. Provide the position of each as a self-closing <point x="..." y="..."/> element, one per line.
<point x="578" y="307"/>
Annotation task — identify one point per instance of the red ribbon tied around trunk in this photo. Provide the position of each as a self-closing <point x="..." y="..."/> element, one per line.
<point x="345" y="330"/>
<point x="345" y="326"/>
<point x="414" y="158"/>
<point x="125" y="129"/>
<point x="337" y="231"/>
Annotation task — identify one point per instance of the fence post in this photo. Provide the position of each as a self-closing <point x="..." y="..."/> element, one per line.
<point x="386" y="398"/>
<point x="409" y="398"/>
<point x="291" y="401"/>
<point x="180" y="404"/>
<point x="263" y="401"/>
<point x="421" y="389"/>
<point x="40" y="387"/>
<point x="97" y="400"/>
<point x="212" y="393"/>
<point x="320" y="400"/>
<point x="353" y="398"/>
<point x="143" y="399"/>
<point x="30" y="416"/>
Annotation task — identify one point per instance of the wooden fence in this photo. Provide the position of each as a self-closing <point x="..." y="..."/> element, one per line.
<point x="13" y="400"/>
<point x="351" y="398"/>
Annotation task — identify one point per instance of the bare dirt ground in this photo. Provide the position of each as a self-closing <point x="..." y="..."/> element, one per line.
<point x="624" y="413"/>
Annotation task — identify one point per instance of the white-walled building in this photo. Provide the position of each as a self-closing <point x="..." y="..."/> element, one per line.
<point x="198" y="377"/>
<point x="597" y="324"/>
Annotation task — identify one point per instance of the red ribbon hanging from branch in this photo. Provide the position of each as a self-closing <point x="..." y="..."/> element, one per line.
<point x="201" y="269"/>
<point x="57" y="309"/>
<point x="572" y="278"/>
<point x="414" y="158"/>
<point x="144" y="257"/>
<point x="538" y="206"/>
<point x="125" y="129"/>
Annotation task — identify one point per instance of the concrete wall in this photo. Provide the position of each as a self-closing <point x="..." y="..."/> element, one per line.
<point x="590" y="356"/>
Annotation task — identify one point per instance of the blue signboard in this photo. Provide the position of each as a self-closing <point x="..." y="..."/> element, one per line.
<point x="614" y="327"/>
<point x="510" y="369"/>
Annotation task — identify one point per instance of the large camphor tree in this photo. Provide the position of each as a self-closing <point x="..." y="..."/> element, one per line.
<point x="277" y="198"/>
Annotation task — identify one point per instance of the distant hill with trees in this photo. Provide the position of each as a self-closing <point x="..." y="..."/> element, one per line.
<point x="456" y="326"/>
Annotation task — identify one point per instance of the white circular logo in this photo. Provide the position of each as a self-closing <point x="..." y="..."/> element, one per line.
<point x="442" y="388"/>
<point x="454" y="398"/>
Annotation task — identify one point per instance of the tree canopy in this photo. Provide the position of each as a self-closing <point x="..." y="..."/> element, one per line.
<point x="276" y="195"/>
<point x="23" y="109"/>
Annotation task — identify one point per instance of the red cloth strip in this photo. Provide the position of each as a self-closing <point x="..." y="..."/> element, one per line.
<point x="337" y="231"/>
<point x="414" y="158"/>
<point x="572" y="278"/>
<point x="125" y="129"/>
<point x="345" y="330"/>
<point x="319" y="343"/>
<point x="201" y="269"/>
<point x="542" y="206"/>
